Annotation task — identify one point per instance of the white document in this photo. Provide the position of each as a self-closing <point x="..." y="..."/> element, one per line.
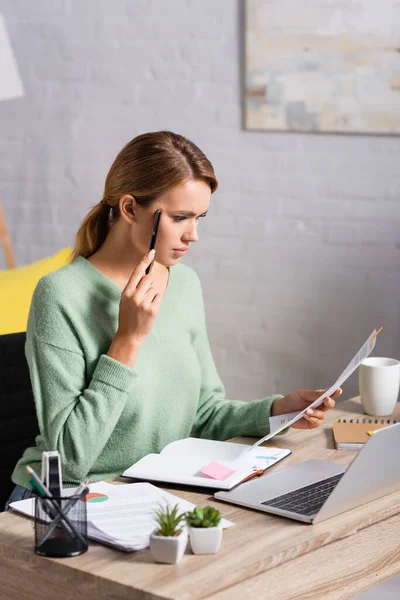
<point x="280" y="422"/>
<point x="183" y="460"/>
<point x="125" y="519"/>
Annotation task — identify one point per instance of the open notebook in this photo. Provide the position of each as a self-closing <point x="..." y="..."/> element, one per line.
<point x="205" y="463"/>
<point x="222" y="465"/>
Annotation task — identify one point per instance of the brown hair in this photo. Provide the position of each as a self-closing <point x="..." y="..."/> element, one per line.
<point x="146" y="167"/>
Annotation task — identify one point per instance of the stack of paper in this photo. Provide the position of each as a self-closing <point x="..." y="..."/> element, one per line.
<point x="121" y="515"/>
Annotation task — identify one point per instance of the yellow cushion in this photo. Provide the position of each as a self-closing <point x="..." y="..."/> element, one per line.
<point x="17" y="286"/>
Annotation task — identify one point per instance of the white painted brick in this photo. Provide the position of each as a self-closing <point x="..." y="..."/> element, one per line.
<point x="367" y="186"/>
<point x="353" y="209"/>
<point x="300" y="254"/>
<point x="373" y="233"/>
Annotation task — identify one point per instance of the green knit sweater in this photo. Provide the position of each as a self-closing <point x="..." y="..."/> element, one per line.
<point x="103" y="416"/>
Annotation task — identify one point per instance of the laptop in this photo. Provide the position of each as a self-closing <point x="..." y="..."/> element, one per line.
<point x="317" y="490"/>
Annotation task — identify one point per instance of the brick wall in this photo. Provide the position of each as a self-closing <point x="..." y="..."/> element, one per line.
<point x="300" y="253"/>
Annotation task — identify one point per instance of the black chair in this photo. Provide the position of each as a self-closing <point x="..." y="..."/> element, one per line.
<point x="18" y="421"/>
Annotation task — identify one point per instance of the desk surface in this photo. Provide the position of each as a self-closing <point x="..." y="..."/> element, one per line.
<point x="262" y="555"/>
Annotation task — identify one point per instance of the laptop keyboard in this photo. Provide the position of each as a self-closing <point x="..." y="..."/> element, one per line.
<point x="307" y="500"/>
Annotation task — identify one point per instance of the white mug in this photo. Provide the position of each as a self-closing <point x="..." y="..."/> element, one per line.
<point x="379" y="382"/>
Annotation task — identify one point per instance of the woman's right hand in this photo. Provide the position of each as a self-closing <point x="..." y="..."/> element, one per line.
<point x="140" y="303"/>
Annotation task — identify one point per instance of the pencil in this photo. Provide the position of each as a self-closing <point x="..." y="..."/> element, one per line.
<point x="375" y="334"/>
<point x="49" y="501"/>
<point x="39" y="482"/>
<point x="81" y="491"/>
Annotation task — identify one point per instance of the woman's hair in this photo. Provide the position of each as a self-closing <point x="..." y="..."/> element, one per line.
<point x="146" y="167"/>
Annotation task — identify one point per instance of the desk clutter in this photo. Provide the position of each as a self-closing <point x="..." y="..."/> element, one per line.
<point x="351" y="434"/>
<point x="125" y="517"/>
<point x="122" y="516"/>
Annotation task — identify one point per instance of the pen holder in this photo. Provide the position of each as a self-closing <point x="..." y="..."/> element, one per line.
<point x="61" y="525"/>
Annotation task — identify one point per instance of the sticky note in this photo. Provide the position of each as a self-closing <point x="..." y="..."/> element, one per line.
<point x="216" y="471"/>
<point x="268" y="457"/>
<point x="370" y="432"/>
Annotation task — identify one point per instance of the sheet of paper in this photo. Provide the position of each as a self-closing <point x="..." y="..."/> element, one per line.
<point x="284" y="421"/>
<point x="127" y="519"/>
<point x="134" y="504"/>
<point x="276" y="422"/>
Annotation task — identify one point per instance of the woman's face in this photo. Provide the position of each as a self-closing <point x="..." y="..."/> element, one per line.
<point x="181" y="208"/>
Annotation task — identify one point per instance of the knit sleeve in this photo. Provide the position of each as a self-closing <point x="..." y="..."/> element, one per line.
<point x="76" y="416"/>
<point x="217" y="417"/>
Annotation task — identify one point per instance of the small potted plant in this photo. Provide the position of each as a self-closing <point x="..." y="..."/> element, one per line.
<point x="168" y="541"/>
<point x="205" y="530"/>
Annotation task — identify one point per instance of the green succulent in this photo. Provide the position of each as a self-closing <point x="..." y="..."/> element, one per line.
<point x="203" y="517"/>
<point x="169" y="522"/>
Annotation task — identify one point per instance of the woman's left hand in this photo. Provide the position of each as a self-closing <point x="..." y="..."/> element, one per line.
<point x="298" y="401"/>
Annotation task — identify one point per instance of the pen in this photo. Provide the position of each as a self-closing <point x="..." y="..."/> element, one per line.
<point x="156" y="223"/>
<point x="49" y="501"/>
<point x="39" y="483"/>
<point x="80" y="492"/>
<point x="259" y="472"/>
<point x="375" y="334"/>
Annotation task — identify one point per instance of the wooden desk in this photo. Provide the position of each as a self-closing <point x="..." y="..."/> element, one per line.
<point x="263" y="555"/>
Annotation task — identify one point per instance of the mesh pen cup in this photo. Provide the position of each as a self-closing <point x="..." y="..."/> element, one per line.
<point x="61" y="526"/>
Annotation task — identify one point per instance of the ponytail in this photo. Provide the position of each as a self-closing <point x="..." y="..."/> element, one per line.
<point x="148" y="166"/>
<point x="92" y="232"/>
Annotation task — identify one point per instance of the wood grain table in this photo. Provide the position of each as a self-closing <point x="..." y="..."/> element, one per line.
<point x="263" y="555"/>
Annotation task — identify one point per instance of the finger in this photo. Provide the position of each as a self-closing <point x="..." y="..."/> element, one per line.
<point x="157" y="301"/>
<point x="310" y="396"/>
<point x="144" y="285"/>
<point x="313" y="421"/>
<point x="335" y="394"/>
<point x="328" y="403"/>
<point x="151" y="293"/>
<point x="315" y="413"/>
<point x="139" y="272"/>
<point x="152" y="300"/>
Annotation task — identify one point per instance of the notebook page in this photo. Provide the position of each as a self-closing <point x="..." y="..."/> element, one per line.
<point x="191" y="455"/>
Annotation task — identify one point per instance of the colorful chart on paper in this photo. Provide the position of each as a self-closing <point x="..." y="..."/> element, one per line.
<point x="95" y="497"/>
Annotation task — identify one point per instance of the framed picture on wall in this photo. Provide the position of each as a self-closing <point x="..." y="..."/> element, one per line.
<point x="323" y="66"/>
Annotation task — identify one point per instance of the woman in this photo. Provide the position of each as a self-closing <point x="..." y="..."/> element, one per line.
<point x="119" y="360"/>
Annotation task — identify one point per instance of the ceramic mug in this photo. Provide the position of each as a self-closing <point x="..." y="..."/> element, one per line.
<point x="379" y="383"/>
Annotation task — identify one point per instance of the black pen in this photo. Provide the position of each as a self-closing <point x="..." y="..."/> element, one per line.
<point x="48" y="500"/>
<point x="156" y="222"/>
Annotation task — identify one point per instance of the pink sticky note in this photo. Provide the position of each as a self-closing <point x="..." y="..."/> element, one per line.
<point x="216" y="471"/>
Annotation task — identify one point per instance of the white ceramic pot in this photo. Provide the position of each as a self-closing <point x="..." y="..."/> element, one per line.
<point x="168" y="549"/>
<point x="205" y="540"/>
